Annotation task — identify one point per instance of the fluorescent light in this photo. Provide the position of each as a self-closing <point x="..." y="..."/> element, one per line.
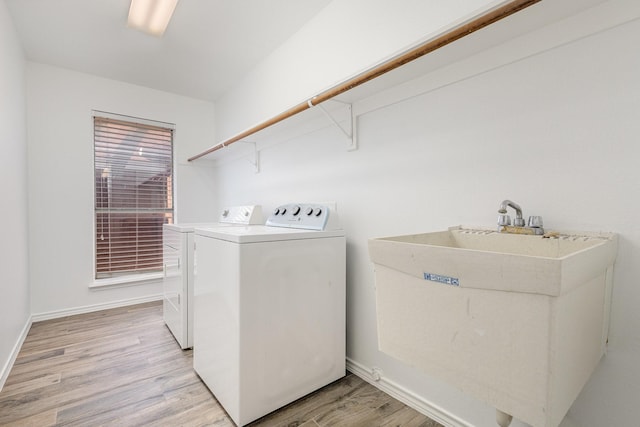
<point x="151" y="16"/>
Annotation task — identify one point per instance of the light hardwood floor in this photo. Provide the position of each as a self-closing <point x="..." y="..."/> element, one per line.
<point x="122" y="367"/>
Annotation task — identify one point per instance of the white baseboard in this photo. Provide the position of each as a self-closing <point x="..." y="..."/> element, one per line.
<point x="95" y="307"/>
<point x="4" y="374"/>
<point x="406" y="396"/>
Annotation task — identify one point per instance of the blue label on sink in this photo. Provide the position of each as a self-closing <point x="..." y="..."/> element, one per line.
<point x="453" y="281"/>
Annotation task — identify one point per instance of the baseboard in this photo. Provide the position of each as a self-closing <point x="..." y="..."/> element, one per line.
<point x="406" y="396"/>
<point x="95" y="307"/>
<point x="4" y="374"/>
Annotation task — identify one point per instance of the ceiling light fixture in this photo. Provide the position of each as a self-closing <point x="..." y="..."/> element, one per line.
<point x="151" y="16"/>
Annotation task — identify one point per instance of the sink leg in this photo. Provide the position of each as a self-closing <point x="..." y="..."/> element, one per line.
<point x="503" y="419"/>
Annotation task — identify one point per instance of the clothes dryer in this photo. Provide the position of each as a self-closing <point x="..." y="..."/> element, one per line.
<point x="178" y="267"/>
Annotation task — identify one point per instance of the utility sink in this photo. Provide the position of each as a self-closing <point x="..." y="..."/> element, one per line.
<point x="517" y="321"/>
<point x="487" y="259"/>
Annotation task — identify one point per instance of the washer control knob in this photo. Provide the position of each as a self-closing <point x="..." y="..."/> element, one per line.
<point x="296" y="210"/>
<point x="276" y="211"/>
<point x="283" y="211"/>
<point x="309" y="211"/>
<point x="318" y="212"/>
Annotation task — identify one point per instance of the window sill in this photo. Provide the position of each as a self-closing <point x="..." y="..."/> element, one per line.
<point x="132" y="280"/>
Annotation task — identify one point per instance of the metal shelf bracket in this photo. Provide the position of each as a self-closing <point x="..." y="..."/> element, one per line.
<point x="255" y="158"/>
<point x="351" y="129"/>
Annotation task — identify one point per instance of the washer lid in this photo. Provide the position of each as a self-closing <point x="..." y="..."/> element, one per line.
<point x="188" y="227"/>
<point x="232" y="216"/>
<point x="264" y="233"/>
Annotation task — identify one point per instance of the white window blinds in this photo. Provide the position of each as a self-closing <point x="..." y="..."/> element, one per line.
<point x="133" y="195"/>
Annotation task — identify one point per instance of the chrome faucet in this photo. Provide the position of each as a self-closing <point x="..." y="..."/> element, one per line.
<point x="519" y="221"/>
<point x="534" y="225"/>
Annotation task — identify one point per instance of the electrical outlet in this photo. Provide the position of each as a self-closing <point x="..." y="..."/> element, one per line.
<point x="376" y="374"/>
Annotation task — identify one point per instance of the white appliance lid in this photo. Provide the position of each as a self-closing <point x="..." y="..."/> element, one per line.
<point x="189" y="227"/>
<point x="232" y="216"/>
<point x="264" y="233"/>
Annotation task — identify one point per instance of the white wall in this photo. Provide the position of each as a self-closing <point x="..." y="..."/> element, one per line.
<point x="550" y="120"/>
<point x="332" y="47"/>
<point x="14" y="276"/>
<point x="60" y="153"/>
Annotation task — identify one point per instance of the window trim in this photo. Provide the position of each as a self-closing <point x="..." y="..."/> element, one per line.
<point x="115" y="116"/>
<point x="128" y="280"/>
<point x="134" y="279"/>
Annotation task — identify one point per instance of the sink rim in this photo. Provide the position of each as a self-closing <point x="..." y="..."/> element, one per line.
<point x="496" y="271"/>
<point x="597" y="238"/>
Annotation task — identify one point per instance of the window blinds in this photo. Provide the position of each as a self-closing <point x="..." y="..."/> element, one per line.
<point x="133" y="195"/>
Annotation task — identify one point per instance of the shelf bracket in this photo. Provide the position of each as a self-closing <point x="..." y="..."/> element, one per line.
<point x="351" y="131"/>
<point x="255" y="158"/>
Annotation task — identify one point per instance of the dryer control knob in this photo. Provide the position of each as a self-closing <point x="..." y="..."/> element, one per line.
<point x="296" y="210"/>
<point x="309" y="211"/>
<point x="318" y="212"/>
<point x="276" y="211"/>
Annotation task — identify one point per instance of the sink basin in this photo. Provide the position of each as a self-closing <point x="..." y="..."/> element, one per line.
<point x="517" y="321"/>
<point x="487" y="259"/>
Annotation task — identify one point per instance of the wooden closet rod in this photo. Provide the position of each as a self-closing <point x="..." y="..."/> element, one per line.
<point x="415" y="53"/>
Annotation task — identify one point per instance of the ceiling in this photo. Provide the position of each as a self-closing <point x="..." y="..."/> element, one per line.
<point x="207" y="48"/>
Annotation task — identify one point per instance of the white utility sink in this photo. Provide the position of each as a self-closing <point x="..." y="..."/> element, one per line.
<point x="517" y="321"/>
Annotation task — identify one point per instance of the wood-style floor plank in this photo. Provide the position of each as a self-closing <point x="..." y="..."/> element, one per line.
<point x="122" y="367"/>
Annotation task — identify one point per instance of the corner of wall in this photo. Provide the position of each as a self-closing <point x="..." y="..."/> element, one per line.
<point x="6" y="368"/>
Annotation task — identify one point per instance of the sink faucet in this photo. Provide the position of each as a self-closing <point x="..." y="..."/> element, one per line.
<point x="504" y="221"/>
<point x="519" y="221"/>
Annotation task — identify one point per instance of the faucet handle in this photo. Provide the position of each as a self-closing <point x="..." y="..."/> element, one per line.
<point x="504" y="219"/>
<point x="535" y="221"/>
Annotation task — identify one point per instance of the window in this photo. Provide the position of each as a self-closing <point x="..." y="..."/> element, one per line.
<point x="133" y="194"/>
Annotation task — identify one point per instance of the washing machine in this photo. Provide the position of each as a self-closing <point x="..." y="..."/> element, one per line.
<point x="178" y="268"/>
<point x="269" y="312"/>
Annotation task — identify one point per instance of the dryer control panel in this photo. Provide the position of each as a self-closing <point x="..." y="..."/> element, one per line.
<point x="242" y="215"/>
<point x="307" y="216"/>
